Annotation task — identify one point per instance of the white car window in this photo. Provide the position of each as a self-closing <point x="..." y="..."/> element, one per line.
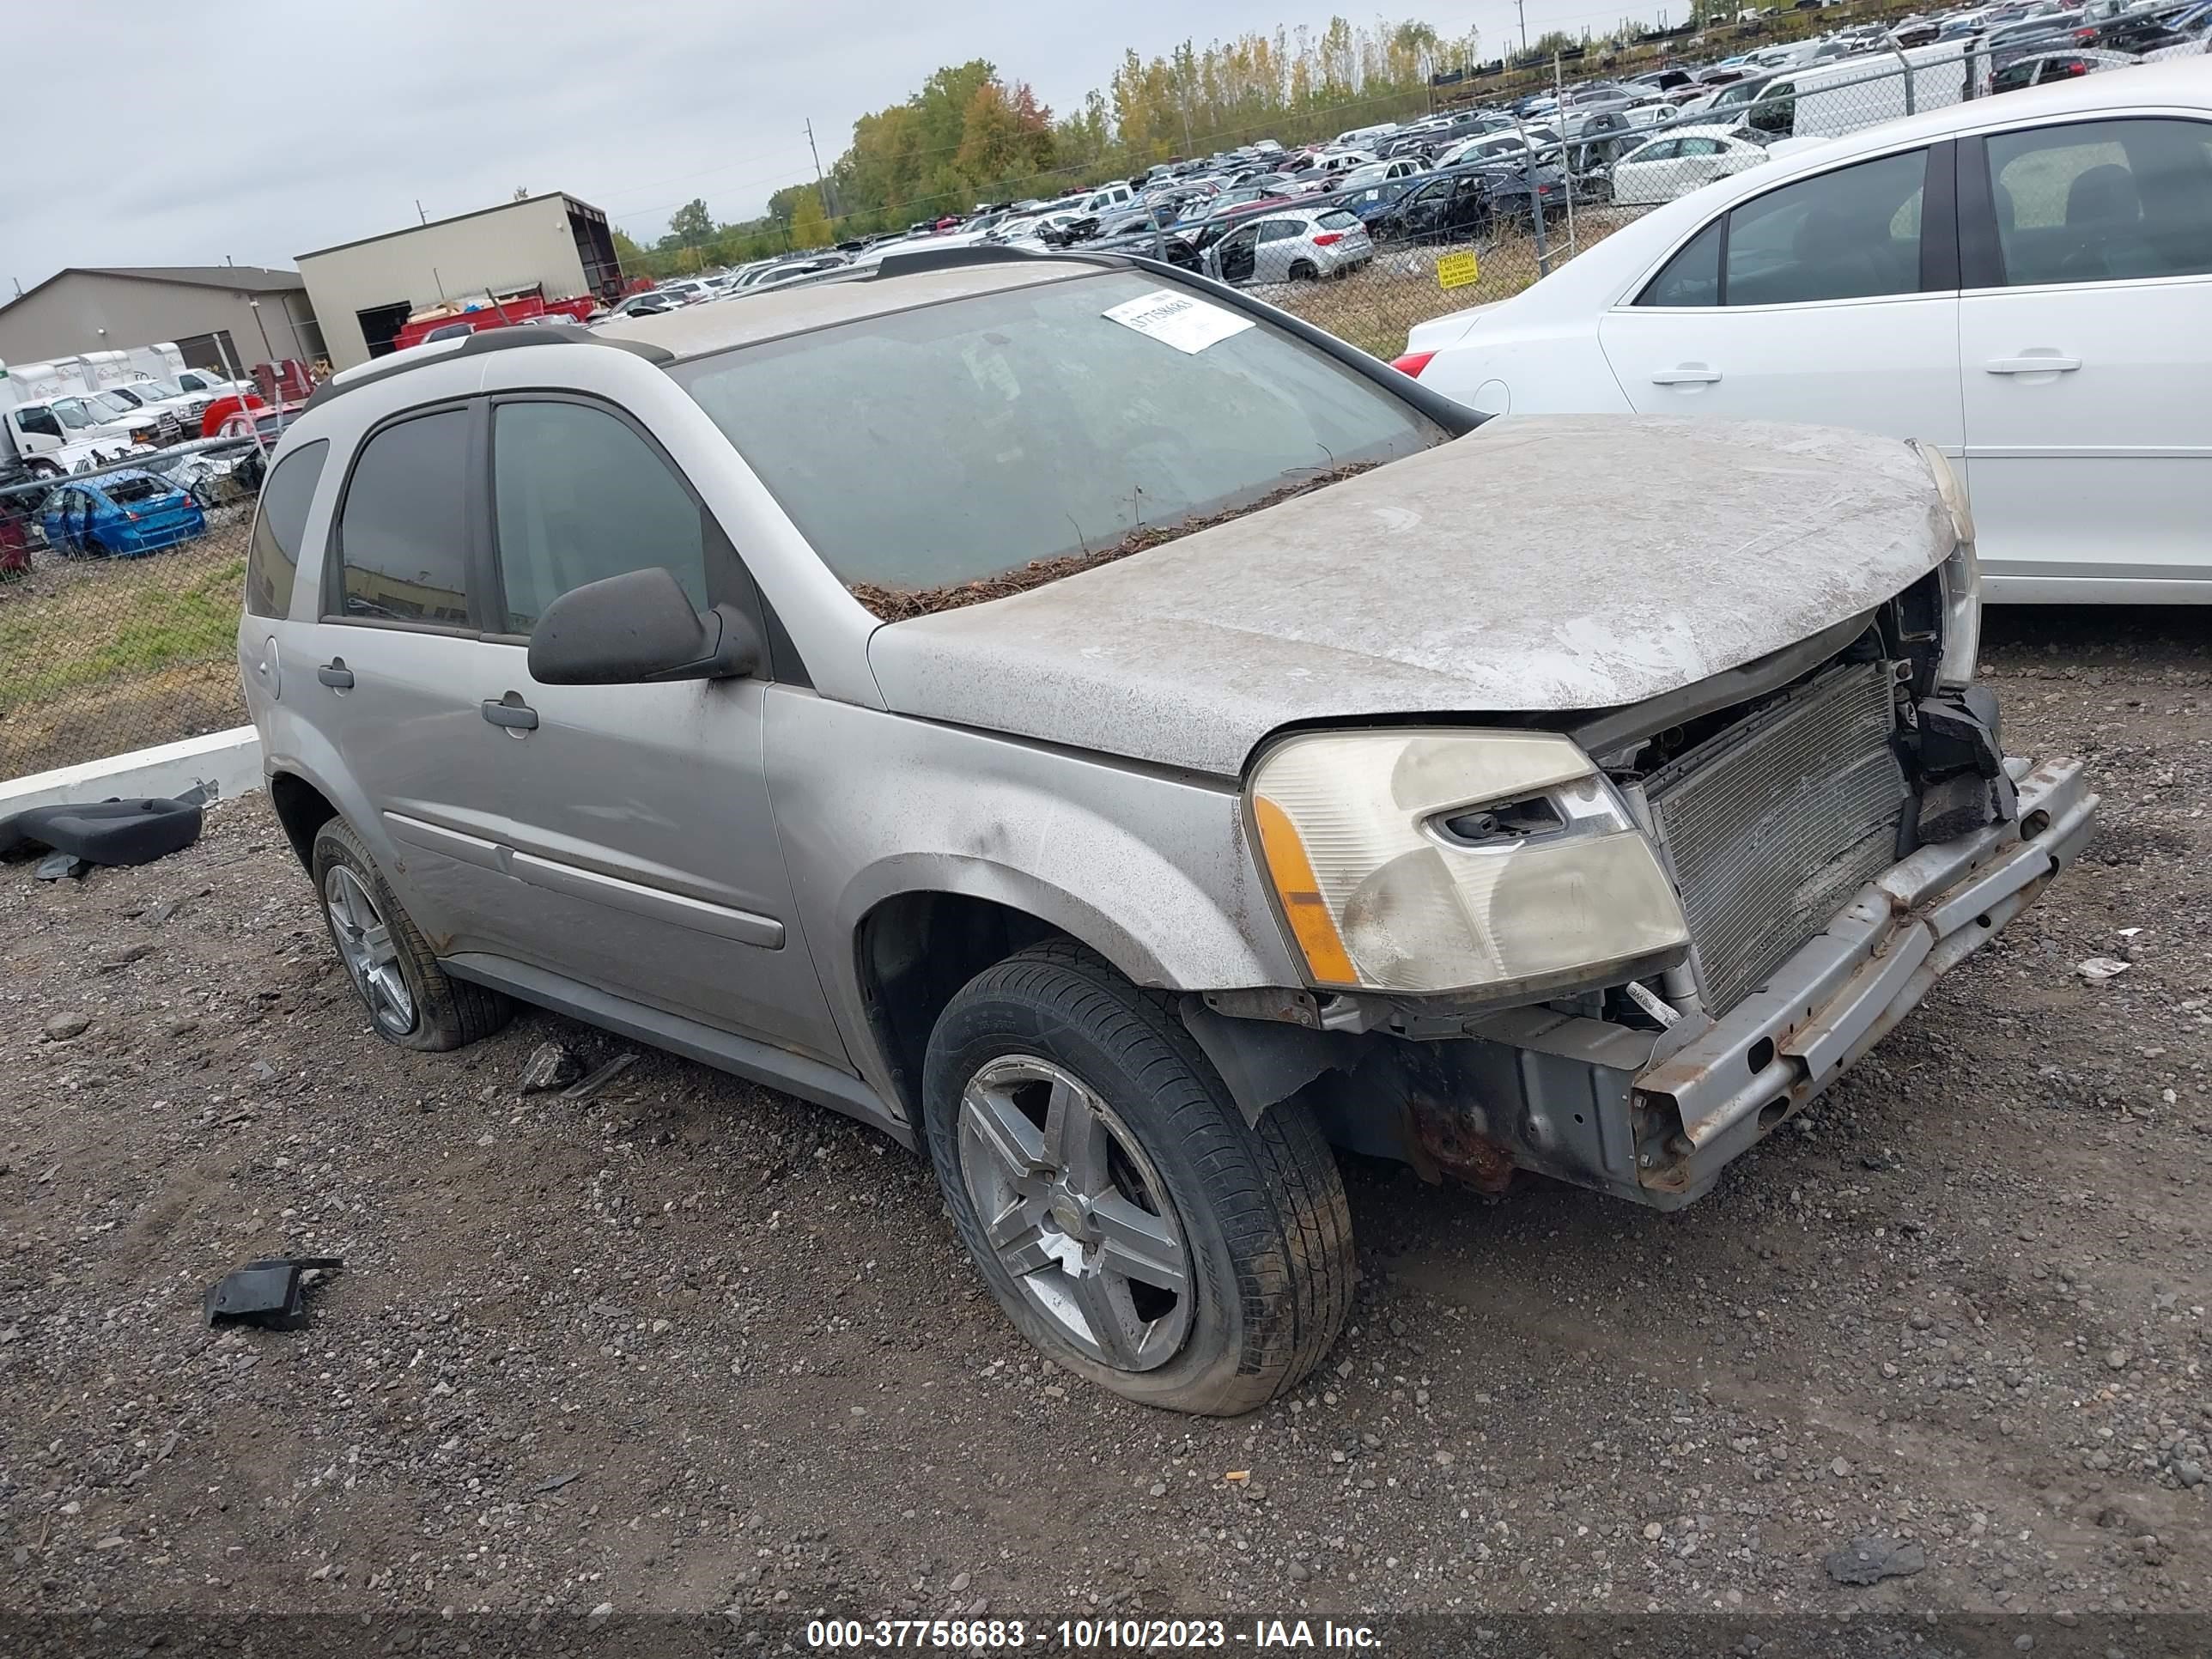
<point x="2103" y="200"/>
<point x="1852" y="234"/>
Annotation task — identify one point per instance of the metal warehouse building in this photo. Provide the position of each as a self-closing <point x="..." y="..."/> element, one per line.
<point x="363" y="291"/>
<point x="244" y="313"/>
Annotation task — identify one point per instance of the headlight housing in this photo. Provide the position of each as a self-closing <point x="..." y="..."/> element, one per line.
<point x="1496" y="863"/>
<point x="1960" y="575"/>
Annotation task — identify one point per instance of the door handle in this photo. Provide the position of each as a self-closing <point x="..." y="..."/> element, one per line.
<point x="1687" y="375"/>
<point x="334" y="674"/>
<point x="512" y="713"/>
<point x="2052" y="365"/>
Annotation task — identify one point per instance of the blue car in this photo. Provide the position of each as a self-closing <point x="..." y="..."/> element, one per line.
<point x="123" y="515"/>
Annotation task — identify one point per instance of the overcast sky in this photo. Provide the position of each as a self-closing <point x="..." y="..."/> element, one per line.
<point x="260" y="130"/>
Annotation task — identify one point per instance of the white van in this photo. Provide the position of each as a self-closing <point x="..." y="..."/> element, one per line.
<point x="1360" y="137"/>
<point x="1830" y="99"/>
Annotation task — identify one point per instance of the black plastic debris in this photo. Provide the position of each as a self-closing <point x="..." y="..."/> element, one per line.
<point x="269" y="1294"/>
<point x="81" y="833"/>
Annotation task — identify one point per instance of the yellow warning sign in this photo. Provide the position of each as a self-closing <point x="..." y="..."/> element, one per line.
<point x="1457" y="270"/>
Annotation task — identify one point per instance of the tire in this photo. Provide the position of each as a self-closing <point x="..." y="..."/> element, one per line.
<point x="423" y="1009"/>
<point x="1303" y="271"/>
<point x="1254" y="1219"/>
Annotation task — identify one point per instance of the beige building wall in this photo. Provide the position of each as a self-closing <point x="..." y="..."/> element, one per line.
<point x="91" y="310"/>
<point x="505" y="247"/>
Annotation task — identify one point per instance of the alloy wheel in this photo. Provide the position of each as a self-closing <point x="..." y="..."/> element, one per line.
<point x="366" y="945"/>
<point x="1075" y="1212"/>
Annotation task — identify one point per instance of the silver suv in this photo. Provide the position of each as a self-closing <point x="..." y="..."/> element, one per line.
<point x="1073" y="716"/>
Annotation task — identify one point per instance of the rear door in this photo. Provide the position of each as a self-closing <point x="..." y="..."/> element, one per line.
<point x="2086" y="339"/>
<point x="385" y="676"/>
<point x="1281" y="241"/>
<point x="1830" y="298"/>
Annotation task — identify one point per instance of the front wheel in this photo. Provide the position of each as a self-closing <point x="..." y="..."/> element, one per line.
<point x="1126" y="1218"/>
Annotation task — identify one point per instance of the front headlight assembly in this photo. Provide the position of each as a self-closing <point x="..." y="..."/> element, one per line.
<point x="1960" y="575"/>
<point x="1499" y="863"/>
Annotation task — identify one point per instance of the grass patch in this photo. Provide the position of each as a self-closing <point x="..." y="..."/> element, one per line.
<point x="100" y="656"/>
<point x="117" y="621"/>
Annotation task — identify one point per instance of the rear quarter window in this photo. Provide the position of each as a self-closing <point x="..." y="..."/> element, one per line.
<point x="280" y="521"/>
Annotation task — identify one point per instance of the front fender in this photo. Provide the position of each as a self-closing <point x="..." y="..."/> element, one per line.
<point x="1149" y="868"/>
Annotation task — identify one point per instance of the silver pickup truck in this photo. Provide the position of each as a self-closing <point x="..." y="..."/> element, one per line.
<point x="1091" y="725"/>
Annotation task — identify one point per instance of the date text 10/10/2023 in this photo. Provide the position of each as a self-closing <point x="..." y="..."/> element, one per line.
<point x="1085" y="1635"/>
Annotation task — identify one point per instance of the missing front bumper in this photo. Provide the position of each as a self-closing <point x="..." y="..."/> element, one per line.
<point x="1655" y="1117"/>
<point x="1813" y="1016"/>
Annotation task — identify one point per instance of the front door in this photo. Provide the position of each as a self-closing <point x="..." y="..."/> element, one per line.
<point x="2084" y="335"/>
<point x="1235" y="257"/>
<point x="1826" y="307"/>
<point x="637" y="815"/>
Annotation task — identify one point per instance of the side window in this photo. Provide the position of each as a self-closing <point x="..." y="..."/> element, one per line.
<point x="1691" y="277"/>
<point x="39" y="421"/>
<point x="2013" y="76"/>
<point x="1701" y="147"/>
<point x="2103" y="200"/>
<point x="579" y="496"/>
<point x="1853" y="234"/>
<point x="1279" y="230"/>
<point x="280" y="521"/>
<point x="1665" y="150"/>
<point x="402" y="530"/>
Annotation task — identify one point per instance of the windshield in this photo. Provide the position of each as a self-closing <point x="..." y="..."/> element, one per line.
<point x="117" y="408"/>
<point x="155" y="391"/>
<point x="72" y="413"/>
<point x="1044" y="422"/>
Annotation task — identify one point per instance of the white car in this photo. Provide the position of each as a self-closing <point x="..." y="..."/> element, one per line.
<point x="1681" y="162"/>
<point x="2024" y="281"/>
<point x="1378" y="172"/>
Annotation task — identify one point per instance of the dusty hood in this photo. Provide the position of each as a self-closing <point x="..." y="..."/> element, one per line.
<point x="1542" y="563"/>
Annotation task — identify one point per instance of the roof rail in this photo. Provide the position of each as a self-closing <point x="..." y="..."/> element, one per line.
<point x="489" y="339"/>
<point x="952" y="258"/>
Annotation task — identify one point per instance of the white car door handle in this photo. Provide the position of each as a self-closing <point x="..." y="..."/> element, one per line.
<point x="2053" y="365"/>
<point x="1687" y="375"/>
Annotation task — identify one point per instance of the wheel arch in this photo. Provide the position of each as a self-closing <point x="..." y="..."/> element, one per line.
<point x="914" y="948"/>
<point x="302" y="809"/>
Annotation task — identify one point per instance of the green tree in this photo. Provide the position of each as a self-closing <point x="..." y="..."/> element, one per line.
<point x="810" y="226"/>
<point x="1553" y="40"/>
<point x="691" y="224"/>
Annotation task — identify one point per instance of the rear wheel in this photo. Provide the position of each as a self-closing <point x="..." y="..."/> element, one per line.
<point x="409" y="1000"/>
<point x="1303" y="271"/>
<point x="1126" y="1218"/>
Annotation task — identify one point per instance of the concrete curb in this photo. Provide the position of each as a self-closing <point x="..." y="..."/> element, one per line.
<point x="229" y="762"/>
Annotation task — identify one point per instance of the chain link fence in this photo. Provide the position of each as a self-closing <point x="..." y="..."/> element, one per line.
<point x="119" y="604"/>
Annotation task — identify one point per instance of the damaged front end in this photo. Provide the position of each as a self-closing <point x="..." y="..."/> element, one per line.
<point x="1838" y="826"/>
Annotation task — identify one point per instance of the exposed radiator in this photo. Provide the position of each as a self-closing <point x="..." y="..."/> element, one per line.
<point x="1772" y="826"/>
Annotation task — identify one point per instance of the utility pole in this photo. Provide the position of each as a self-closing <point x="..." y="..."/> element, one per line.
<point x="821" y="180"/>
<point x="1522" y="6"/>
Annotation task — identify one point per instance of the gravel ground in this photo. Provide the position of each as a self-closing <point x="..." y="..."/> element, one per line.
<point x="688" y="1346"/>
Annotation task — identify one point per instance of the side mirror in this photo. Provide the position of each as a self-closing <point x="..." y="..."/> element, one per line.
<point x="638" y="628"/>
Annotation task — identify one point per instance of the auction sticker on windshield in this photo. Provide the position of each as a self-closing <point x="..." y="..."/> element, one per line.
<point x="1183" y="322"/>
